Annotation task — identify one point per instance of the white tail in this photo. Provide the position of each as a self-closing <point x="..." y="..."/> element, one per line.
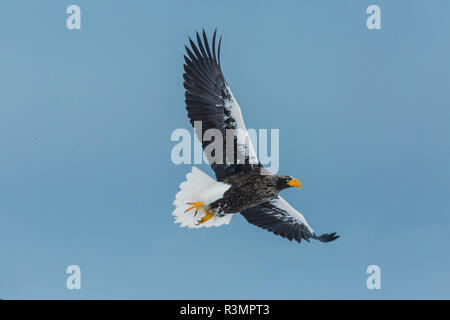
<point x="199" y="187"/>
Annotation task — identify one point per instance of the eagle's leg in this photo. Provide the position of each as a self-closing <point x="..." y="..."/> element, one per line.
<point x="208" y="216"/>
<point x="197" y="205"/>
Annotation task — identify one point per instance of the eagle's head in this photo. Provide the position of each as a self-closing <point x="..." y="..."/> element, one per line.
<point x="287" y="182"/>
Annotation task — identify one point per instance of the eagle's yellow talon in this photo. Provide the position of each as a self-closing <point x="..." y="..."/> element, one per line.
<point x="197" y="205"/>
<point x="207" y="217"/>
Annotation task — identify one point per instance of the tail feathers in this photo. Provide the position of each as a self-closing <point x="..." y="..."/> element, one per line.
<point x="199" y="187"/>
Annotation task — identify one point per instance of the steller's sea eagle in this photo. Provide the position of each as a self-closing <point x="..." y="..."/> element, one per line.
<point x="241" y="185"/>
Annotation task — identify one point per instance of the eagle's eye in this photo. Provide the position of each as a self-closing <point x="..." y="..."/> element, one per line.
<point x="294" y="183"/>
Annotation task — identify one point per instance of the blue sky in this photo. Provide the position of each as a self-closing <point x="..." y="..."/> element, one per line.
<point x="85" y="170"/>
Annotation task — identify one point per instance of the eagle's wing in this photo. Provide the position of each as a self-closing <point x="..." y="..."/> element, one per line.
<point x="279" y="217"/>
<point x="210" y="100"/>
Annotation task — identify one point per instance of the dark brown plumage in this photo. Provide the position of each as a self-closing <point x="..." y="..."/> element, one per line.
<point x="248" y="190"/>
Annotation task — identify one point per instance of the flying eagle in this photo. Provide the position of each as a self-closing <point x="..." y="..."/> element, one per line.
<point x="241" y="185"/>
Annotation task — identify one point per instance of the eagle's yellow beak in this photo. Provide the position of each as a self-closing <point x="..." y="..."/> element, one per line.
<point x="294" y="183"/>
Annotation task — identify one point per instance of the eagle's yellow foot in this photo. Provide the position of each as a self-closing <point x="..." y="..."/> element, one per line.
<point x="197" y="205"/>
<point x="207" y="217"/>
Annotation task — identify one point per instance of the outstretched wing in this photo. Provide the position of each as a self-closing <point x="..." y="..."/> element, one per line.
<point x="210" y="102"/>
<point x="279" y="217"/>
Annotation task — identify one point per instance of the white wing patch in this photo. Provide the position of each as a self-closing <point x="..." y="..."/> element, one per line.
<point x="244" y="142"/>
<point x="284" y="205"/>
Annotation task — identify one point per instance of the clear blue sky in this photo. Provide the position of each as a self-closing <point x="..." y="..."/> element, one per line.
<point x="85" y="170"/>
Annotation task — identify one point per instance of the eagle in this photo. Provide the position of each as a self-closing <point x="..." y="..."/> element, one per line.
<point x="242" y="184"/>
